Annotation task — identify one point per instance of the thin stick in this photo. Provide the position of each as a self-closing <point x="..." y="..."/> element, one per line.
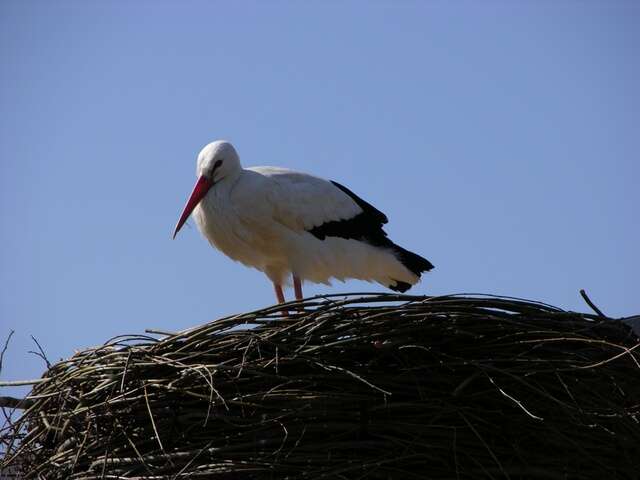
<point x="153" y="423"/>
<point x="590" y="303"/>
<point x="18" y="383"/>
<point x="19" y="403"/>
<point x="4" y="349"/>
<point x="41" y="354"/>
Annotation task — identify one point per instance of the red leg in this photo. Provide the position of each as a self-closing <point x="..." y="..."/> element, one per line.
<point x="279" y="293"/>
<point x="280" y="297"/>
<point x="297" y="286"/>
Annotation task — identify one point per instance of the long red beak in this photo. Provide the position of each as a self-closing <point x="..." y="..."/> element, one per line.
<point x="200" y="190"/>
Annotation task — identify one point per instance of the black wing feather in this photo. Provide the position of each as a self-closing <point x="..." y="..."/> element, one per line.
<point x="367" y="227"/>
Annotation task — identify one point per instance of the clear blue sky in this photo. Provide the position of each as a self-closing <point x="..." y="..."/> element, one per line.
<point x="500" y="138"/>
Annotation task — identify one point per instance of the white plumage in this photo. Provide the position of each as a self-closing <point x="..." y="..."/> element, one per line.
<point x="284" y="223"/>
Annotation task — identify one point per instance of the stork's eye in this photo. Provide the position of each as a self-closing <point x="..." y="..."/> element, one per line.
<point x="217" y="164"/>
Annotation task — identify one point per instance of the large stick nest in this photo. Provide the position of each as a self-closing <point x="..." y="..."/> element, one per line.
<point x="383" y="386"/>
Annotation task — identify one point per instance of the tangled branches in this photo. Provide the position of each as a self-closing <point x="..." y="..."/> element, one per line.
<point x="369" y="386"/>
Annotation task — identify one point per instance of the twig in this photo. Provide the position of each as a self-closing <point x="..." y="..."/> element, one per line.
<point x="153" y="422"/>
<point x="160" y="332"/>
<point x="41" y="353"/>
<point x="591" y="304"/>
<point x="4" y="349"/>
<point x="19" y="403"/>
<point x="18" y="383"/>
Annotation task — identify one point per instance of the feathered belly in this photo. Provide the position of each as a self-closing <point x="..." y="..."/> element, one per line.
<point x="242" y="240"/>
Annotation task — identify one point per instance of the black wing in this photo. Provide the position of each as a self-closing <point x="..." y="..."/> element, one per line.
<point x="367" y="227"/>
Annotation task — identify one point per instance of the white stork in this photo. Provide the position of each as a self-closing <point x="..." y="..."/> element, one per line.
<point x="283" y="223"/>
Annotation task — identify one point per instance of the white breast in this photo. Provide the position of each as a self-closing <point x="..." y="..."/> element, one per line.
<point x="240" y="227"/>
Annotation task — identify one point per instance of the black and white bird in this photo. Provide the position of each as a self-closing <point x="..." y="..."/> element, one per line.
<point x="285" y="223"/>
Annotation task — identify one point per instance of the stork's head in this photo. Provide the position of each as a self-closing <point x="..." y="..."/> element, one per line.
<point x="216" y="161"/>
